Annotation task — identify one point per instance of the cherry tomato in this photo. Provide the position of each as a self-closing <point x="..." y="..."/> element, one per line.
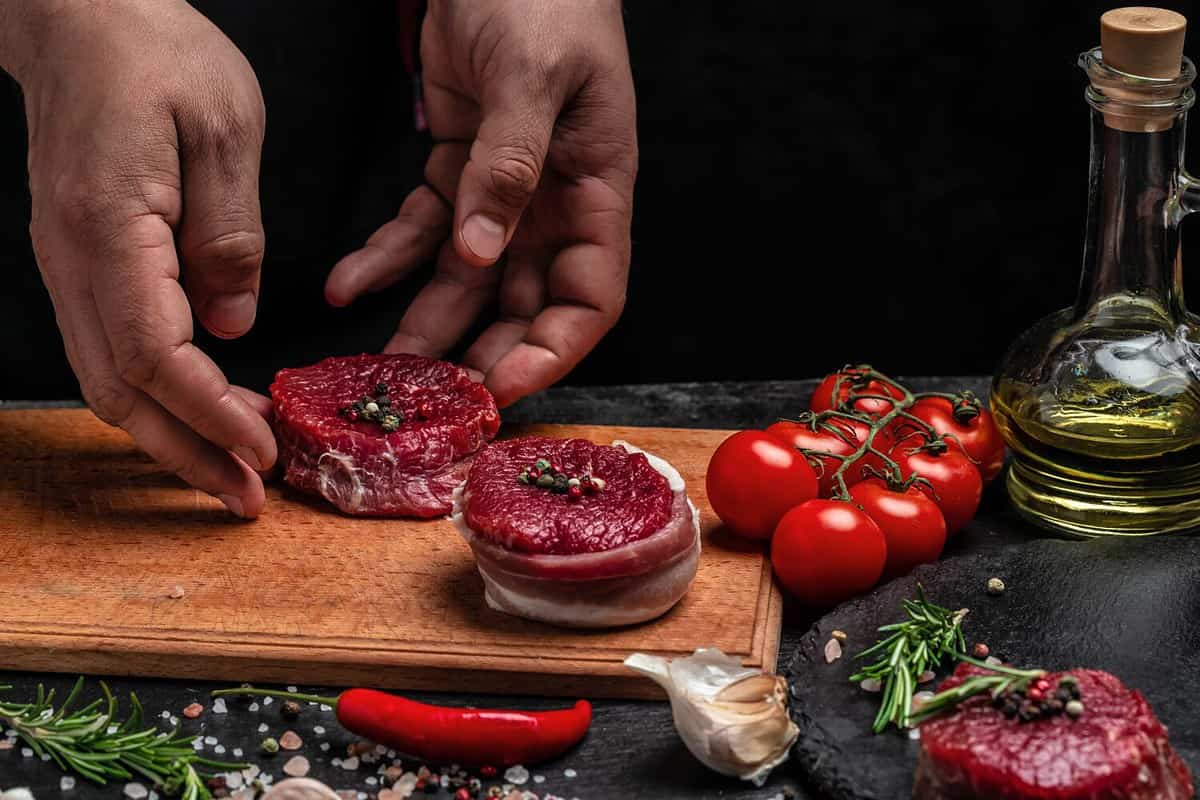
<point x="843" y="440"/>
<point x="754" y="479"/>
<point x="978" y="436"/>
<point x="912" y="524"/>
<point x="955" y="483"/>
<point x="851" y="377"/>
<point x="827" y="551"/>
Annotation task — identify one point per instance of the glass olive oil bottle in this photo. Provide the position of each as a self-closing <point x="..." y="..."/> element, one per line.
<point x="1100" y="402"/>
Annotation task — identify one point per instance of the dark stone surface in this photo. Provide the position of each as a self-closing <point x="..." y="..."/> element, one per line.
<point x="632" y="750"/>
<point x="1131" y="607"/>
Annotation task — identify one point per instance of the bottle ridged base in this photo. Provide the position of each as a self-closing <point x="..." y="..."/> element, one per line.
<point x="1085" y="509"/>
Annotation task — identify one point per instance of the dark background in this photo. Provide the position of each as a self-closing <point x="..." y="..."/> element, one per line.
<point x="820" y="183"/>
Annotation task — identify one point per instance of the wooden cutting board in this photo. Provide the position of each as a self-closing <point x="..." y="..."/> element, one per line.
<point x="94" y="537"/>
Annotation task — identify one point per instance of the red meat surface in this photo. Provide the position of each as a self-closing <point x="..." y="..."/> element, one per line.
<point x="636" y="501"/>
<point x="1117" y="750"/>
<point x="362" y="470"/>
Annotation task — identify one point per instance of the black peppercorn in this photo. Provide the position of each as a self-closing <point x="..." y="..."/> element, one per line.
<point x="289" y="709"/>
<point x="381" y="388"/>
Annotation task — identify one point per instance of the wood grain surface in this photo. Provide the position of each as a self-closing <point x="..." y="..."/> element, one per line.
<point x="94" y="537"/>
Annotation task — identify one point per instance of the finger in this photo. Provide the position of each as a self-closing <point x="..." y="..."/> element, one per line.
<point x="522" y="296"/>
<point x="445" y="308"/>
<point x="261" y="404"/>
<point x="504" y="168"/>
<point x="393" y="251"/>
<point x="587" y="291"/>
<point x="148" y="323"/>
<point x="221" y="239"/>
<point x="172" y="444"/>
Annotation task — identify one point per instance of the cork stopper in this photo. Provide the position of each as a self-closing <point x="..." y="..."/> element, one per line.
<point x="1143" y="41"/>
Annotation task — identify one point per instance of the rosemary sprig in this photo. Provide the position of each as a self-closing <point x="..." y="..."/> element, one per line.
<point x="91" y="742"/>
<point x="1002" y="680"/>
<point x="931" y="633"/>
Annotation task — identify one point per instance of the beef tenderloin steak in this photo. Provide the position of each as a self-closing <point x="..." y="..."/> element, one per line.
<point x="363" y="467"/>
<point x="1116" y="750"/>
<point x="617" y="556"/>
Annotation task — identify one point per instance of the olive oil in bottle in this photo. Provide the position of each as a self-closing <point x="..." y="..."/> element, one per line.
<point x="1100" y="402"/>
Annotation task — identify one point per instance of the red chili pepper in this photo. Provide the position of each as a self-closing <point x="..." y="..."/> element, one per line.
<point x="449" y="735"/>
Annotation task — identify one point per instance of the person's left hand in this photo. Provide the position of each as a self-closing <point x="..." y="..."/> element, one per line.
<point x="532" y="112"/>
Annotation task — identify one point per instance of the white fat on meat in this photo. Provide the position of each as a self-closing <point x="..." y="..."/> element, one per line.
<point x="639" y="581"/>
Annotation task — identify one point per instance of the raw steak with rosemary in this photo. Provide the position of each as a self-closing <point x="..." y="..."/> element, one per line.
<point x="1116" y="749"/>
<point x="381" y="435"/>
<point x="574" y="533"/>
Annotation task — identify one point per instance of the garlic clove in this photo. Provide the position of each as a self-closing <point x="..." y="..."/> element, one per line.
<point x="732" y="718"/>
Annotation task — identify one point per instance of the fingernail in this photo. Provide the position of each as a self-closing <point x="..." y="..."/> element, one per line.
<point x="474" y="374"/>
<point x="249" y="456"/>
<point x="231" y="314"/>
<point x="483" y="236"/>
<point x="234" y="504"/>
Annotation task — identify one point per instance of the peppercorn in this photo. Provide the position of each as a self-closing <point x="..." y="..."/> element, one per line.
<point x="381" y="388"/>
<point x="462" y="794"/>
<point x="1062" y="694"/>
<point x="289" y="709"/>
<point x="1010" y="708"/>
<point x="560" y="484"/>
<point x="1035" y="694"/>
<point x="1074" y="709"/>
<point x="574" y="492"/>
<point x="487" y="772"/>
<point x="269" y="746"/>
<point x="425" y="411"/>
<point x="432" y="786"/>
<point x="390" y="423"/>
<point x="541" y="464"/>
<point x="980" y="650"/>
<point x="1042" y="684"/>
<point x="1028" y="712"/>
<point x="1055" y="705"/>
<point x="545" y="481"/>
<point x="523" y="478"/>
<point x="351" y="415"/>
<point x="995" y="587"/>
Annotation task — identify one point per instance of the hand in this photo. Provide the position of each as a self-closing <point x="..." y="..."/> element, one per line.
<point x="532" y="112"/>
<point x="145" y="129"/>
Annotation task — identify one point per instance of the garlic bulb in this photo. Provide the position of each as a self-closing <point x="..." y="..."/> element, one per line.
<point x="733" y="718"/>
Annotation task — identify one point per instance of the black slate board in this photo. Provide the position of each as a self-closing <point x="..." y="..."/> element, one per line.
<point x="1131" y="607"/>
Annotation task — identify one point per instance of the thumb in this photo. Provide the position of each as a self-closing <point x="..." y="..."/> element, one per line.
<point x="502" y="173"/>
<point x="221" y="240"/>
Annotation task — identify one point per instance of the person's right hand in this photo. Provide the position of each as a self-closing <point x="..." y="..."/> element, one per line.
<point x="145" y="132"/>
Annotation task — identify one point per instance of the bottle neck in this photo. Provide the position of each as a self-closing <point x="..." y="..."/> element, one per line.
<point x="1131" y="249"/>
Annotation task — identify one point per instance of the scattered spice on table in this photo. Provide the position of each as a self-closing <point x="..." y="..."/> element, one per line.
<point x="193" y="711"/>
<point x="833" y="651"/>
<point x="995" y="587"/>
<point x="840" y="636"/>
<point x="296" y="767"/>
<point x="290" y="740"/>
<point x="289" y="709"/>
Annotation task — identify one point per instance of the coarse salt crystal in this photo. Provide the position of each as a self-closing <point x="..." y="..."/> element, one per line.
<point x="326" y="708"/>
<point x="325" y="746"/>
<point x="362" y="796"/>
<point x="516" y="774"/>
<point x="292" y="689"/>
<point x="27" y="752"/>
<point x="266" y="701"/>
<point x="153" y="795"/>
<point x="251" y="772"/>
<point x="219" y="706"/>
<point x="290" y="740"/>
<point x="296" y="767"/>
<point x="135" y="791"/>
<point x="919" y="699"/>
<point x="166" y="715"/>
<point x="252" y="707"/>
<point x="319" y="730"/>
<point x="219" y="749"/>
<point x="914" y="733"/>
<point x="926" y="676"/>
<point x="992" y="661"/>
<point x="350" y="763"/>
<point x="44" y="756"/>
<point x="569" y="773"/>
<point x="833" y="651"/>
<point x="66" y="783"/>
<point x="114" y="728"/>
<point x="871" y="685"/>
<point x="173" y="720"/>
<point x="176" y="593"/>
<point x="371" y="781"/>
<point x="337" y="762"/>
<point x="210" y="740"/>
<point x="197" y="744"/>
<point x="539" y="778"/>
<point x="233" y="780"/>
<point x="237" y="752"/>
<point x="262" y="728"/>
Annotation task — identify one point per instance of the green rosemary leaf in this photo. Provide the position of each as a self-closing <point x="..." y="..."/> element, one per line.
<point x="923" y="641"/>
<point x="80" y="741"/>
